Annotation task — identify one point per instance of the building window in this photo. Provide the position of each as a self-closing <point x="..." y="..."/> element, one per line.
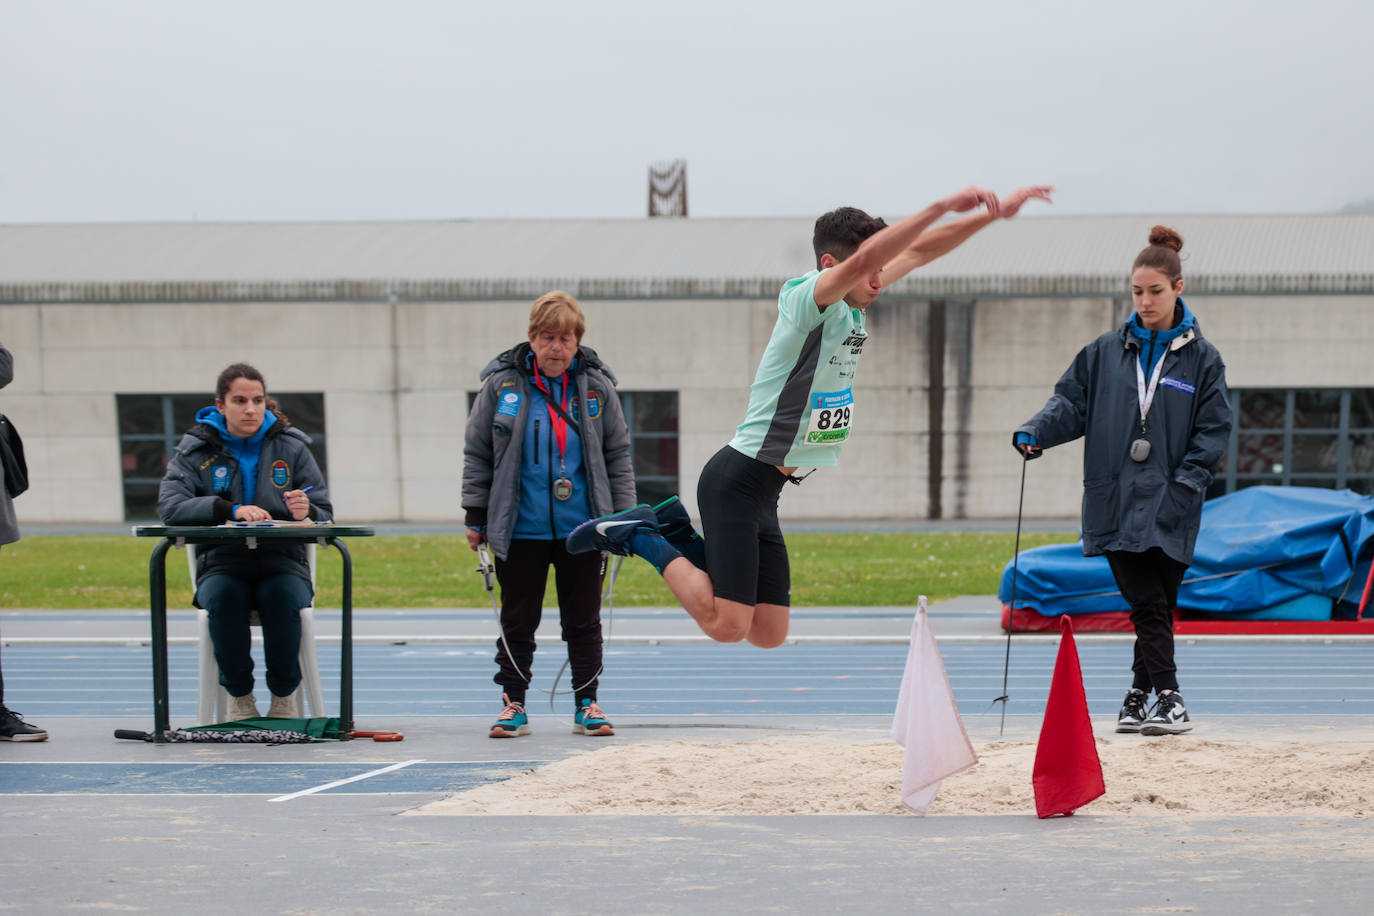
<point x="652" y="418"/>
<point x="1308" y="437"/>
<point x="151" y="425"/>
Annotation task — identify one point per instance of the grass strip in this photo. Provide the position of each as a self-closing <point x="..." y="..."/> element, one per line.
<point x="68" y="572"/>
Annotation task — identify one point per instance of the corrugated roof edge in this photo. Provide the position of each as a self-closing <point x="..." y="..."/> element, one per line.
<point x="496" y="289"/>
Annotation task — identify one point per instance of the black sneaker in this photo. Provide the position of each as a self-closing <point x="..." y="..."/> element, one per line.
<point x="1169" y="716"/>
<point x="611" y="533"/>
<point x="1133" y="713"/>
<point x="14" y="728"/>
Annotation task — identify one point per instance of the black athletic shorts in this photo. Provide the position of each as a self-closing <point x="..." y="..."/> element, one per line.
<point x="737" y="498"/>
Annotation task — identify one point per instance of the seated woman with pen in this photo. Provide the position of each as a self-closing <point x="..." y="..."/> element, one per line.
<point x="243" y="461"/>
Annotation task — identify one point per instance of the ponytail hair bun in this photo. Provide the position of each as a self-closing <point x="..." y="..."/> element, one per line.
<point x="1165" y="237"/>
<point x="1162" y="253"/>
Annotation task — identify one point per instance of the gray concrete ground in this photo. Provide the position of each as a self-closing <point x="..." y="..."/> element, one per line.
<point x="349" y="852"/>
<point x="353" y="854"/>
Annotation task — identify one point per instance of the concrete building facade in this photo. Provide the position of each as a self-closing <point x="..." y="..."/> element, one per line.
<point x="392" y="322"/>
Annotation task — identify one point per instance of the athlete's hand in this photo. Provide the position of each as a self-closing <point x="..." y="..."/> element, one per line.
<point x="1012" y="203"/>
<point x="971" y="198"/>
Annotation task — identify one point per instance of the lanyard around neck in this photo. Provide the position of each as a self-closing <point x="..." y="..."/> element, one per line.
<point x="556" y="418"/>
<point x="1146" y="395"/>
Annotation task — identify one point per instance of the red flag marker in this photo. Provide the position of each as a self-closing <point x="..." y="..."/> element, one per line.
<point x="1068" y="772"/>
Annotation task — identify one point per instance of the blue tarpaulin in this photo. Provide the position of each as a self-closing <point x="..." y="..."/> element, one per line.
<point x="1277" y="552"/>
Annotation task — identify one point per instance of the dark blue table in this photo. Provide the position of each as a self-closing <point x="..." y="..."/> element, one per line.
<point x="181" y="535"/>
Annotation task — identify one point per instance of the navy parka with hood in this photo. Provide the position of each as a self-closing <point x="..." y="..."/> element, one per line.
<point x="1129" y="505"/>
<point x="204" y="482"/>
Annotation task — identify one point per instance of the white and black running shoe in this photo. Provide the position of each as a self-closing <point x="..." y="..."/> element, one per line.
<point x="612" y="533"/>
<point x="14" y="728"/>
<point x="1169" y="717"/>
<point x="1133" y="712"/>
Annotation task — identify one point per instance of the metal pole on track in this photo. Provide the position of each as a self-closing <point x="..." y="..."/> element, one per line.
<point x="1011" y="606"/>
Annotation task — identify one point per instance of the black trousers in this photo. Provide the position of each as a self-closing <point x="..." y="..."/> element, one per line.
<point x="523" y="575"/>
<point x="1149" y="582"/>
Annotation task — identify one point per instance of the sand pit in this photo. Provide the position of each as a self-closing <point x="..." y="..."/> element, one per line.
<point x="847" y="774"/>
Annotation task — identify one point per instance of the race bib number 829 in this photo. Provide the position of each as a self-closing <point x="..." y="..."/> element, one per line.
<point x="831" y="414"/>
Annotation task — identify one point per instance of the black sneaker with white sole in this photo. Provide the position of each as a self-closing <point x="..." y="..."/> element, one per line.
<point x="1133" y="713"/>
<point x="1169" y="717"/>
<point x="14" y="728"/>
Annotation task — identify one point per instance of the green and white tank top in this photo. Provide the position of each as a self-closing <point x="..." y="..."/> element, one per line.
<point x="801" y="404"/>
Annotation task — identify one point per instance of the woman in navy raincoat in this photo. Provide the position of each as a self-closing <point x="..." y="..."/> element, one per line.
<point x="1150" y="400"/>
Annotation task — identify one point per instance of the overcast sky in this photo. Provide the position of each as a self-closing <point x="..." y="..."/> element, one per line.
<point x="405" y="109"/>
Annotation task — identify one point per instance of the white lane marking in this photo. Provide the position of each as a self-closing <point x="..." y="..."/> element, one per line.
<point x="344" y="782"/>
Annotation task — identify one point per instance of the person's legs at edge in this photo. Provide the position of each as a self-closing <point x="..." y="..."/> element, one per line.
<point x="12" y="725"/>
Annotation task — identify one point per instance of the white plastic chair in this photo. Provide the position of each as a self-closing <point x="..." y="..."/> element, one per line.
<point x="214" y="699"/>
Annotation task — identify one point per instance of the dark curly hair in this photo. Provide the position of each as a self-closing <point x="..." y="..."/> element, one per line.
<point x="839" y="233"/>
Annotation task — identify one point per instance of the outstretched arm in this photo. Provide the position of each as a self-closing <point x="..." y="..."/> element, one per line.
<point x="880" y="248"/>
<point x="941" y="240"/>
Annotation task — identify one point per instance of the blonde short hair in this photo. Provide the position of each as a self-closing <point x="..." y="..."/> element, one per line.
<point x="557" y="312"/>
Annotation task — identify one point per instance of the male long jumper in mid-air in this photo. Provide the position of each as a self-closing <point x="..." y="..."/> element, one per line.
<point x="735" y="581"/>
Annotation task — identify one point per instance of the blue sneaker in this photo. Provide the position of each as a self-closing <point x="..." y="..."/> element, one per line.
<point x="611" y="533"/>
<point x="673" y="521"/>
<point x="512" y="723"/>
<point x="590" y="720"/>
<point x="676" y="527"/>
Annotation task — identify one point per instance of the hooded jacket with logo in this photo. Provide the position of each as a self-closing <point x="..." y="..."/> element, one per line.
<point x="1135" y="505"/>
<point x="204" y="482"/>
<point x="496" y="460"/>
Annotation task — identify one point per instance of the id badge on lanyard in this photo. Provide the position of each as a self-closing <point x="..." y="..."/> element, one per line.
<point x="1145" y="395"/>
